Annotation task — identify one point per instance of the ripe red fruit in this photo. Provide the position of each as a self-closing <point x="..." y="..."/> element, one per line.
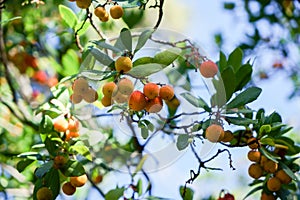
<point x="151" y="90"/>
<point x="208" y="69"/>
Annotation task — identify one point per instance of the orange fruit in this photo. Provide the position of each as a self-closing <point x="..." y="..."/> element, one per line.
<point x="60" y="124"/>
<point x="80" y="86"/>
<point x="71" y="134"/>
<point x="125" y="86"/>
<point x="154" y="105"/>
<point x="265" y="196"/>
<point x="151" y="90"/>
<point x="68" y="188"/>
<point x="100" y="11"/>
<point x="273" y="184"/>
<point x="106" y="101"/>
<point x="270" y="166"/>
<point x="214" y="133"/>
<point x="98" y="179"/>
<point x="283" y="176"/>
<point x="73" y="124"/>
<point x="208" y="69"/>
<point x="253" y="143"/>
<point x="83" y="4"/>
<point x="78" y="181"/>
<point x="166" y="92"/>
<point x="59" y="161"/>
<point x="116" y="12"/>
<point x="228" y="136"/>
<point x="109" y="88"/>
<point x="254" y="156"/>
<point x="123" y="64"/>
<point x="75" y="98"/>
<point x="137" y="101"/>
<point x="263" y="160"/>
<point x="90" y="96"/>
<point x="105" y="18"/>
<point x="44" y="193"/>
<point x="173" y="104"/>
<point x="255" y="171"/>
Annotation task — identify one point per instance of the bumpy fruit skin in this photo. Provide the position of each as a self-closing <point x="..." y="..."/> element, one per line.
<point x="270" y="166"/>
<point x="208" y="69"/>
<point x="255" y="171"/>
<point x="116" y="12"/>
<point x="80" y="86"/>
<point x="283" y="176"/>
<point x="60" y="124"/>
<point x="253" y="143"/>
<point x="106" y="101"/>
<point x="228" y="136"/>
<point x="166" y="92"/>
<point x="214" y="133"/>
<point x="78" y="181"/>
<point x="254" y="156"/>
<point x="273" y="184"/>
<point x="154" y="105"/>
<point x="109" y="88"/>
<point x="151" y="90"/>
<point x="263" y="160"/>
<point x="90" y="96"/>
<point x="105" y="18"/>
<point x="137" y="101"/>
<point x="59" y="161"/>
<point x="83" y="4"/>
<point x="123" y="64"/>
<point x="265" y="196"/>
<point x="44" y="193"/>
<point x="100" y="12"/>
<point x="125" y="86"/>
<point x="68" y="188"/>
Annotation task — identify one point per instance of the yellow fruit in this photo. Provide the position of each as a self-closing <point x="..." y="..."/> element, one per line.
<point x="75" y="98"/>
<point x="68" y="188"/>
<point x="59" y="161"/>
<point x="283" y="177"/>
<point x="273" y="184"/>
<point x="105" y="18"/>
<point x="60" y="124"/>
<point x="137" y="101"/>
<point x="125" y="86"/>
<point x="214" y="133"/>
<point x="106" y="101"/>
<point x="98" y="179"/>
<point x="154" y="105"/>
<point x="254" y="156"/>
<point x="265" y="196"/>
<point x="270" y="166"/>
<point x="208" y="69"/>
<point x="90" y="96"/>
<point x="80" y="86"/>
<point x="100" y="11"/>
<point x="123" y="64"/>
<point x="255" y="171"/>
<point x="120" y="98"/>
<point x="116" y="12"/>
<point x="78" y="181"/>
<point x="228" y="136"/>
<point x="253" y="143"/>
<point x="83" y="4"/>
<point x="173" y="104"/>
<point x="166" y="92"/>
<point x="151" y="90"/>
<point x="109" y="88"/>
<point x="44" y="193"/>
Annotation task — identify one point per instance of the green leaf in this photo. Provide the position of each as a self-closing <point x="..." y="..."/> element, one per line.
<point x="142" y="71"/>
<point x="83" y="150"/>
<point x="126" y="39"/>
<point x="68" y="15"/>
<point x="46" y="124"/>
<point x="139" y="187"/>
<point x="256" y="189"/>
<point x="265" y="129"/>
<point x="73" y="168"/>
<point x="103" y="44"/>
<point x="196" y="101"/>
<point x="144" y="132"/>
<point x="267" y="141"/>
<point x="267" y="154"/>
<point x="229" y="81"/>
<point x="139" y="167"/>
<point x="4" y="22"/>
<point x="101" y="57"/>
<point x="240" y="121"/>
<point x="189" y="193"/>
<point x="142" y="61"/>
<point x="219" y="98"/>
<point x="222" y="62"/>
<point x="182" y="141"/>
<point x="82" y="28"/>
<point x="243" y="76"/>
<point x="235" y="59"/>
<point x="23" y="164"/>
<point x="168" y="56"/>
<point x="114" y="194"/>
<point x="288" y="171"/>
<point x="51" y="145"/>
<point x="88" y="61"/>
<point x="42" y="170"/>
<point x="247" y="96"/>
<point x="145" y="35"/>
<point x="52" y="179"/>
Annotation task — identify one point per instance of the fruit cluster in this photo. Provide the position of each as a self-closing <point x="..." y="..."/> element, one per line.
<point x="69" y="187"/>
<point x="215" y="133"/>
<point x="70" y="127"/>
<point x="82" y="91"/>
<point x="116" y="12"/>
<point x="264" y="167"/>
